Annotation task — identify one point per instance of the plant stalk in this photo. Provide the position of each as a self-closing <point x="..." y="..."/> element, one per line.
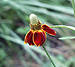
<point x="48" y="56"/>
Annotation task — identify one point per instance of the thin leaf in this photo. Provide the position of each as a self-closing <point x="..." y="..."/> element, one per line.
<point x="67" y="37"/>
<point x="63" y="26"/>
<point x="73" y="5"/>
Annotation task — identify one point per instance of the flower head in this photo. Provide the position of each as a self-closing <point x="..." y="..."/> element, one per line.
<point x="37" y="34"/>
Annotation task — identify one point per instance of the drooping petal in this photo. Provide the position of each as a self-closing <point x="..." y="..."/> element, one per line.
<point x="28" y="38"/>
<point x="39" y="37"/>
<point x="48" y="30"/>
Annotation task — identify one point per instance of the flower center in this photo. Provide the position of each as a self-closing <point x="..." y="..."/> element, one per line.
<point x="36" y="26"/>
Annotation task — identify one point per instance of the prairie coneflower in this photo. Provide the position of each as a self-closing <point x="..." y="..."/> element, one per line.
<point x="37" y="34"/>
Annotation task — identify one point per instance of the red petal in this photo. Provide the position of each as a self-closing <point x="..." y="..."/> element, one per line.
<point x="28" y="38"/>
<point x="39" y="37"/>
<point x="48" y="30"/>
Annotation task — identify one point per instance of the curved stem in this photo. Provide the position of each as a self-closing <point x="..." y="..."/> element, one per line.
<point x="48" y="56"/>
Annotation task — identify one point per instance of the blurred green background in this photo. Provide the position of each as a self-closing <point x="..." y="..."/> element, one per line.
<point x="14" y="24"/>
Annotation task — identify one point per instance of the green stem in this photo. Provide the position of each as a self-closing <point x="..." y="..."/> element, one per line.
<point x="73" y="6"/>
<point x="48" y="56"/>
